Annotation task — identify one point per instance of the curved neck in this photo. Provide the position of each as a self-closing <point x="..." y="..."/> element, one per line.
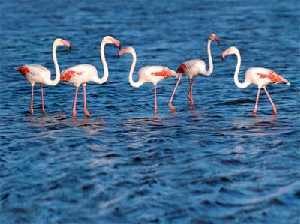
<point x="210" y="61"/>
<point x="239" y="84"/>
<point x="132" y="67"/>
<point x="57" y="70"/>
<point x="104" y="78"/>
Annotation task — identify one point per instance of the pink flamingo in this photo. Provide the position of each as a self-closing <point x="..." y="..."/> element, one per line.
<point x="39" y="74"/>
<point x="194" y="67"/>
<point x="152" y="74"/>
<point x="83" y="73"/>
<point x="255" y="75"/>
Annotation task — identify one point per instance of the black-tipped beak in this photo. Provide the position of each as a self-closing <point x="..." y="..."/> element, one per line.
<point x="68" y="47"/>
<point x="222" y="58"/>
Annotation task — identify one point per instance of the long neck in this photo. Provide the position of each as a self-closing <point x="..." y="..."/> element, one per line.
<point x="57" y="70"/>
<point x="138" y="83"/>
<point x="239" y="84"/>
<point x="210" y="61"/>
<point x="104" y="78"/>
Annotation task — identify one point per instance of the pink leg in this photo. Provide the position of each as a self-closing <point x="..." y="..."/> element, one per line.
<point x="274" y="110"/>
<point x="74" y="113"/>
<point x="42" y="98"/>
<point x="86" y="112"/>
<point x="190" y="94"/>
<point x="155" y="100"/>
<point x="172" y="97"/>
<point x="32" y="99"/>
<point x="256" y="102"/>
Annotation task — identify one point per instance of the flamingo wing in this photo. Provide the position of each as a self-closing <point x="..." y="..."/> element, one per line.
<point x="164" y="72"/>
<point x="272" y="77"/>
<point x="68" y="74"/>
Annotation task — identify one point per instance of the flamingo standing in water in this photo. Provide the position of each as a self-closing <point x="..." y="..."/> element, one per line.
<point x="195" y="67"/>
<point x="39" y="74"/>
<point x="152" y="74"/>
<point x="255" y="75"/>
<point x="83" y="73"/>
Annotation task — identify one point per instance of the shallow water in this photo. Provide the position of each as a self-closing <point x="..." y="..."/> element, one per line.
<point x="214" y="163"/>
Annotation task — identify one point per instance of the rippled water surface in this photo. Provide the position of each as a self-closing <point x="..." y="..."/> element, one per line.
<point x="214" y="163"/>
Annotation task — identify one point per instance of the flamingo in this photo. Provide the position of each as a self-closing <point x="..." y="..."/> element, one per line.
<point x="152" y="74"/>
<point x="261" y="77"/>
<point x="195" y="67"/>
<point x="35" y="73"/>
<point x="83" y="73"/>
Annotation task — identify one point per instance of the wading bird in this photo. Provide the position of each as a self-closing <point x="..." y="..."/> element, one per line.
<point x="39" y="74"/>
<point x="83" y="73"/>
<point x="194" y="67"/>
<point x="152" y="74"/>
<point x="255" y="75"/>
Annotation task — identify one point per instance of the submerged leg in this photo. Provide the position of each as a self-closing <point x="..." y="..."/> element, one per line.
<point x="274" y="110"/>
<point x="172" y="96"/>
<point x="190" y="93"/>
<point x="85" y="110"/>
<point x="155" y="100"/>
<point x="32" y="99"/>
<point x="74" y="113"/>
<point x="256" y="102"/>
<point x="42" y="98"/>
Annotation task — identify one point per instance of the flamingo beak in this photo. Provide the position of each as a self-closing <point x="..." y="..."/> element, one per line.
<point x="117" y="43"/>
<point x="67" y="44"/>
<point x="119" y="53"/>
<point x="222" y="57"/>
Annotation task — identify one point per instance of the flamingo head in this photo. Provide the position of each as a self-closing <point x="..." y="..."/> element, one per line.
<point x="112" y="40"/>
<point x="214" y="37"/>
<point x="62" y="42"/>
<point x="230" y="51"/>
<point x="126" y="50"/>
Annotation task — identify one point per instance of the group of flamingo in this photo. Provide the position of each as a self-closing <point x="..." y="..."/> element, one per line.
<point x="83" y="73"/>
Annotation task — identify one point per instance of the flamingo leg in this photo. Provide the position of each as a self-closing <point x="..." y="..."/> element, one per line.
<point x="173" y="94"/>
<point x="74" y="113"/>
<point x="256" y="102"/>
<point x="85" y="110"/>
<point x="155" y="100"/>
<point x="274" y="110"/>
<point x="42" y="98"/>
<point x="32" y="99"/>
<point x="190" y="94"/>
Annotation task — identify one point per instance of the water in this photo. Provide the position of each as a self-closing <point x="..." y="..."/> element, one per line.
<point x="212" y="164"/>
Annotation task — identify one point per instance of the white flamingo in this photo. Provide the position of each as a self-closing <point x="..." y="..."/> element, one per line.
<point x="152" y="74"/>
<point x="83" y="73"/>
<point x="194" y="67"/>
<point x="261" y="77"/>
<point x="35" y="73"/>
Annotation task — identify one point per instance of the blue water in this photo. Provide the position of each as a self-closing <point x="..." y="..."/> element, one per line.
<point x="214" y="163"/>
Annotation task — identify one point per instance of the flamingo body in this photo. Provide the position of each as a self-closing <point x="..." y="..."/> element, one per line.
<point x="79" y="74"/>
<point x="154" y="74"/>
<point x="263" y="76"/>
<point x="192" y="68"/>
<point x="35" y="73"/>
